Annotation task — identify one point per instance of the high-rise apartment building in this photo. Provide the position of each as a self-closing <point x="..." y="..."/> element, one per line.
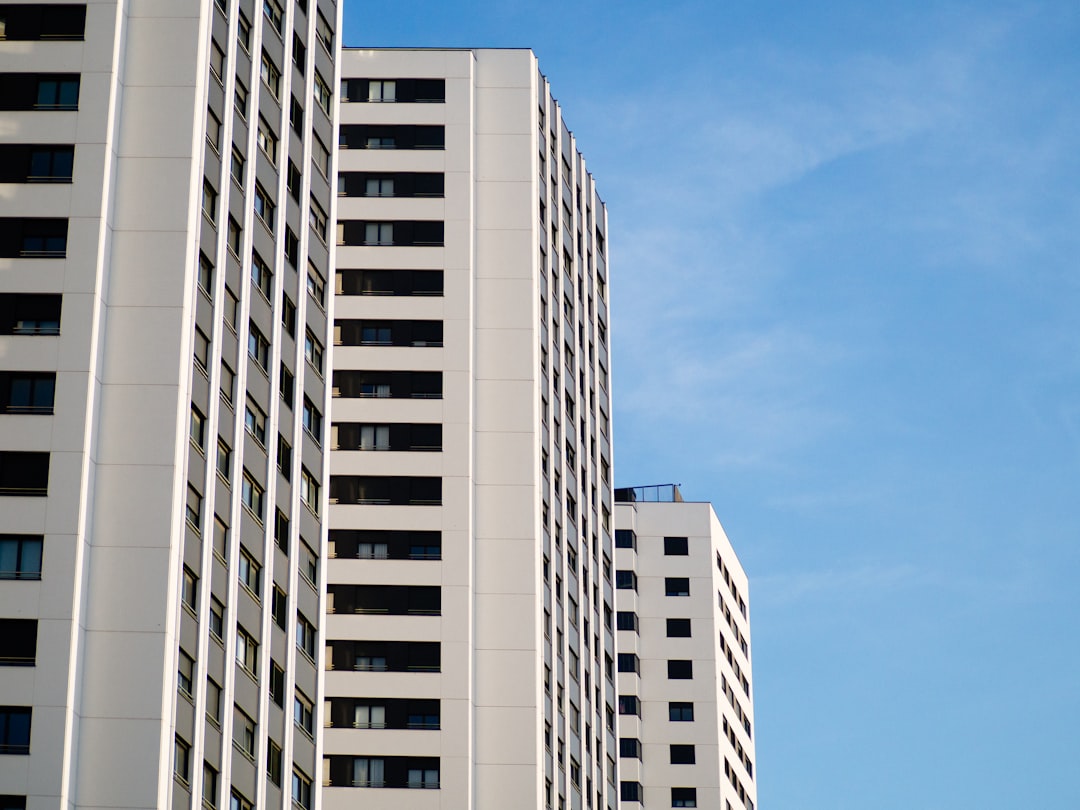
<point x="165" y="200"/>
<point x="470" y="631"/>
<point x="685" y="706"/>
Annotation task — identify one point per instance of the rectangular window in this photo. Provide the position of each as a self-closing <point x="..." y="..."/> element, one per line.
<point x="224" y="459"/>
<point x="255" y="422"/>
<point x="629" y="704"/>
<point x="681" y="712"/>
<point x="682" y="755"/>
<point x="323" y="95"/>
<point x="305" y="636"/>
<point x="678" y="628"/>
<point x="625" y="538"/>
<point x="210" y="786"/>
<point x="247" y="651"/>
<point x="18" y="642"/>
<point x="267" y="139"/>
<point x="233" y="239"/>
<point x="676" y="546"/>
<point x="680" y="670"/>
<point x="312" y="420"/>
<point x="626" y="620"/>
<point x="324" y="32"/>
<point x="264" y="207"/>
<point x="236" y="167"/>
<point x="249" y="572"/>
<point x="676" y="586"/>
<point x="27" y="392"/>
<point x="185" y="672"/>
<point x="301" y="789"/>
<point x="182" y="760"/>
<point x="626" y="580"/>
<point x="15" y="729"/>
<point x="189" y="590"/>
<point x="683" y="797"/>
<point x="303" y="713"/>
<point x="261" y="275"/>
<point x="273" y="11"/>
<point x="252" y="495"/>
<point x="245" y="733"/>
<point x="628" y="662"/>
<point x="258" y="347"/>
<point x="317" y="220"/>
<point x="629" y="748"/>
<point x="293" y="182"/>
<point x="30" y="22"/>
<point x="240" y="99"/>
<point x="273" y="762"/>
<point x="277" y="684"/>
<point x="217" y="619"/>
<point x="313" y="351"/>
<point x="316" y="286"/>
<point x="309" y="564"/>
<point x="309" y="490"/>
<point x="209" y="201"/>
<point x="320" y="156"/>
<point x="243" y="32"/>
<point x="24" y="473"/>
<point x="284" y="458"/>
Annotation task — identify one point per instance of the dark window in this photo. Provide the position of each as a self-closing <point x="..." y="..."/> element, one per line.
<point x="626" y="580"/>
<point x="14" y="730"/>
<point x="389" y="384"/>
<point x="626" y="620"/>
<point x="625" y="538"/>
<point x="39" y="91"/>
<point x="30" y="21"/>
<point x="676" y="546"/>
<point x="29" y="314"/>
<point x="628" y="662"/>
<point x="391" y="136"/>
<point x="630" y="791"/>
<point x="681" y="712"/>
<point x="630" y="747"/>
<point x="395" y="437"/>
<point x="385" y="545"/>
<point x="682" y="755"/>
<point x="680" y="670"/>
<point x="24" y="473"/>
<point x="20" y="556"/>
<point x="391" y="184"/>
<point x="385" y="656"/>
<point x="678" y="628"/>
<point x="369" y="489"/>
<point x="277" y="683"/>
<point x="33" y="238"/>
<point x="388" y="333"/>
<point x="384" y="772"/>
<point x="383" y="713"/>
<point x="394" y="90"/>
<point x="390" y="282"/>
<point x="27" y="391"/>
<point x="683" y="797"/>
<point x="390" y="600"/>
<point x="18" y="642"/>
<point x="30" y="163"/>
<point x="629" y="704"/>
<point x="8" y="802"/>
<point x="677" y="586"/>
<point x="402" y="232"/>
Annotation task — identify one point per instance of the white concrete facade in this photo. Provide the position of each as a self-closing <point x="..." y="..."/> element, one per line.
<point x="685" y="699"/>
<point x="471" y="311"/>
<point x="178" y="115"/>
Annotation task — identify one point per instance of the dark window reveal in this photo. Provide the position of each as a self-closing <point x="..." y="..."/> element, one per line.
<point x="32" y="21"/>
<point x="24" y="473"/>
<point x="39" y="91"/>
<point x="387" y="333"/>
<point x="370" y="489"/>
<point x="27" y="391"/>
<point x="391" y="136"/>
<point x="394" y="90"/>
<point x="390" y="282"/>
<point x="29" y="314"/>
<point x="420" y="233"/>
<point x="388" y="384"/>
<point x="33" y="238"/>
<point x="30" y="163"/>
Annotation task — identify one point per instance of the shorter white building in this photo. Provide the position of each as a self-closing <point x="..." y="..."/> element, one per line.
<point x="684" y="683"/>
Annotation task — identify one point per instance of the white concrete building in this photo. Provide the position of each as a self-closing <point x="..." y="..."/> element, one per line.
<point x="470" y="636"/>
<point x="164" y="204"/>
<point x="686" y="711"/>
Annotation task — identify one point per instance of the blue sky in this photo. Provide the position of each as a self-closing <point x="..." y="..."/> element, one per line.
<point x="845" y="240"/>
